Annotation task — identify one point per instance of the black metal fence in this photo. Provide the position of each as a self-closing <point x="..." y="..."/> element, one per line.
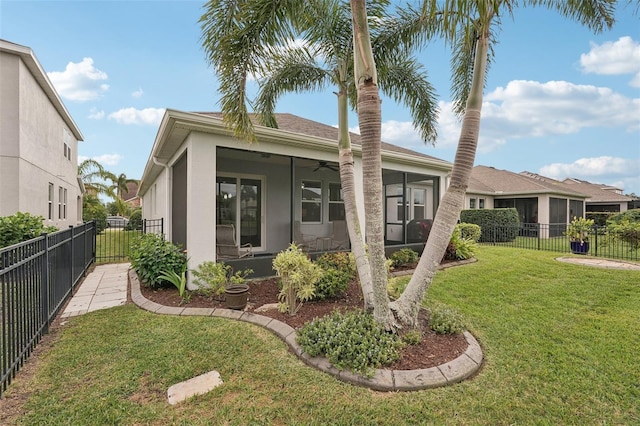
<point x="549" y="237"/>
<point x="36" y="279"/>
<point x="112" y="243"/>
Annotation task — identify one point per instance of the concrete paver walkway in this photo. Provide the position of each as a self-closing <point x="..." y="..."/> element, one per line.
<point x="600" y="262"/>
<point x="105" y="287"/>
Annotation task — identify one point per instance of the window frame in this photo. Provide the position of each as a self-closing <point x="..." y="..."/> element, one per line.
<point x="339" y="202"/>
<point x="318" y="201"/>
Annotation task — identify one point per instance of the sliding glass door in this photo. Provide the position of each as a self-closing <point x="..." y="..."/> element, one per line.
<point x="240" y="203"/>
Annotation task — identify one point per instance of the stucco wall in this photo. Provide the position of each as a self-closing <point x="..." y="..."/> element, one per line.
<point x="33" y="135"/>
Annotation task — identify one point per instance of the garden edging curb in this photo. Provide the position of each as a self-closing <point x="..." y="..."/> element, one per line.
<point x="449" y="373"/>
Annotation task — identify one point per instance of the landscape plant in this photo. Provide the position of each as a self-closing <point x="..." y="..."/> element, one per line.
<point x="625" y="227"/>
<point x="338" y="270"/>
<point x="298" y="276"/>
<point x="579" y="229"/>
<point x="444" y="320"/>
<point x="179" y="280"/>
<point x="22" y="226"/>
<point x="350" y="340"/>
<point x="403" y="257"/>
<point x="212" y="278"/>
<point x="151" y="256"/>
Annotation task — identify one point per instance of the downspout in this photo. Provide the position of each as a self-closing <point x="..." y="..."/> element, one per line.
<point x="168" y="220"/>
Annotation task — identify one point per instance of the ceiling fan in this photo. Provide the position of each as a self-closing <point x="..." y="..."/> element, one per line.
<point x="325" y="165"/>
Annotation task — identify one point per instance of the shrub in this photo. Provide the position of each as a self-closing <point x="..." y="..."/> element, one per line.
<point x="135" y="221"/>
<point x="469" y="231"/>
<point x="496" y="225"/>
<point x="350" y="340"/>
<point x="627" y="231"/>
<point x="460" y="248"/>
<point x="213" y="277"/>
<point x="333" y="283"/>
<point x="299" y="276"/>
<point x="402" y="257"/>
<point x="444" y="320"/>
<point x="93" y="209"/>
<point x="152" y="256"/>
<point x="340" y="260"/>
<point x="412" y="337"/>
<point x="396" y="285"/>
<point x="22" y="227"/>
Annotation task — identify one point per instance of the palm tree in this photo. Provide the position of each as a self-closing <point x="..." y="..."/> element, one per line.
<point x="472" y="47"/>
<point x="93" y="175"/>
<point x="324" y="58"/>
<point x="120" y="183"/>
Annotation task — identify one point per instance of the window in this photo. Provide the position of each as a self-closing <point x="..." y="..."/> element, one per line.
<point x="311" y="201"/>
<point x="60" y="195"/>
<point x="481" y="203"/>
<point x="336" y="202"/>
<point x="51" y="189"/>
<point x="472" y="203"/>
<point x="419" y="197"/>
<point x="64" y="203"/>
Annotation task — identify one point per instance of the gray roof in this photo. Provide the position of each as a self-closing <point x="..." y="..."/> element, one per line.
<point x="295" y="124"/>
<point x="489" y="180"/>
<point x="598" y="193"/>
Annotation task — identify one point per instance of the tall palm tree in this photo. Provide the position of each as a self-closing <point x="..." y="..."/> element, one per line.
<point x="93" y="175"/>
<point x="472" y="47"/>
<point x="324" y="58"/>
<point x="120" y="183"/>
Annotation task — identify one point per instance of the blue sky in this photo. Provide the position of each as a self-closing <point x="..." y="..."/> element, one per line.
<point x="559" y="100"/>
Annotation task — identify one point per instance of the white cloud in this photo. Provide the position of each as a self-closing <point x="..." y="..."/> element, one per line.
<point x="80" y="81"/>
<point x="138" y="93"/>
<point x="593" y="167"/>
<point x="150" y="116"/>
<point x="528" y="109"/>
<point x="614" y="58"/>
<point x="94" y="114"/>
<point x="104" y="159"/>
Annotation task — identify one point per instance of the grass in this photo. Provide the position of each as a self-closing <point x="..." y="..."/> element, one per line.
<point x="560" y="340"/>
<point x="112" y="245"/>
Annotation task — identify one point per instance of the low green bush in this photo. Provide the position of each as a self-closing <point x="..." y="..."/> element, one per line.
<point x="444" y="320"/>
<point x="135" y="221"/>
<point x="460" y="248"/>
<point x="21" y="227"/>
<point x="402" y="257"/>
<point x="340" y="260"/>
<point x="626" y="230"/>
<point x="151" y="256"/>
<point x="469" y="231"/>
<point x="333" y="283"/>
<point x="350" y="340"/>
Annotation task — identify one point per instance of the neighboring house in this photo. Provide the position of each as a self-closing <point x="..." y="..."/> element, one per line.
<point x="602" y="198"/>
<point x="198" y="175"/>
<point x="538" y="199"/>
<point x="130" y="196"/>
<point x="38" y="143"/>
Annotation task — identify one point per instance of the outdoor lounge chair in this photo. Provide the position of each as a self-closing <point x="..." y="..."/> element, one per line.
<point x="339" y="235"/>
<point x="226" y="245"/>
<point x="304" y="242"/>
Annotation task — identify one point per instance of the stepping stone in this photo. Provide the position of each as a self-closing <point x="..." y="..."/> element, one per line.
<point x="197" y="386"/>
<point x="267" y="307"/>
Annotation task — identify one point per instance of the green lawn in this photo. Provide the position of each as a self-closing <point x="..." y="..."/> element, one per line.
<point x="112" y="245"/>
<point x="561" y="344"/>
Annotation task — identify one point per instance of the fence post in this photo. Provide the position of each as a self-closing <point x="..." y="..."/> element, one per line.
<point x="44" y="283"/>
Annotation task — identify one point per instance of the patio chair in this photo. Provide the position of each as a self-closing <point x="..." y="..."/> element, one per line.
<point x="339" y="235"/>
<point x="304" y="241"/>
<point x="226" y="245"/>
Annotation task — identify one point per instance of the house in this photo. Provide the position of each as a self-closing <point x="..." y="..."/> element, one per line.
<point x="537" y="198"/>
<point x="130" y="196"/>
<point x="602" y="198"/>
<point x="38" y="143"/>
<point x="199" y="176"/>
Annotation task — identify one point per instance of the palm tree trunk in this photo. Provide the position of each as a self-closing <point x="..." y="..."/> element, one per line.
<point x="347" y="179"/>
<point x="406" y="308"/>
<point x="370" y="120"/>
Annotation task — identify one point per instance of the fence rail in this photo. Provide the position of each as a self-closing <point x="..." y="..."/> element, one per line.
<point x="36" y="279"/>
<point x="549" y="237"/>
<point x="114" y="241"/>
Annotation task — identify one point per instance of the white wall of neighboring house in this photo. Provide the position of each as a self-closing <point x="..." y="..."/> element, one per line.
<point x="38" y="143"/>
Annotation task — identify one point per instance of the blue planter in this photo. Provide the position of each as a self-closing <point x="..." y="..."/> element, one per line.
<point x="578" y="247"/>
